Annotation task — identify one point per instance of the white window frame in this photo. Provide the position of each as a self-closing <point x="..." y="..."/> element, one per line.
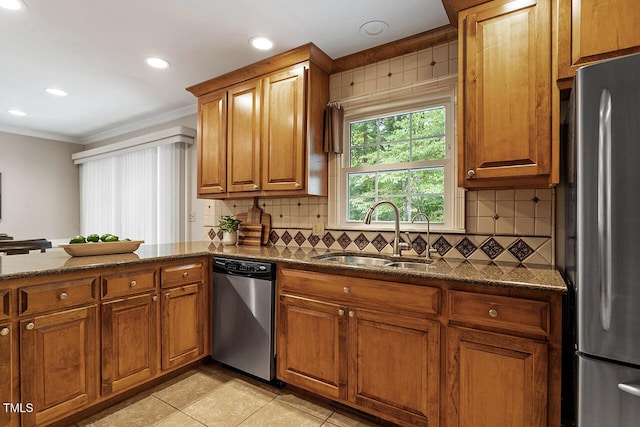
<point x="339" y="167"/>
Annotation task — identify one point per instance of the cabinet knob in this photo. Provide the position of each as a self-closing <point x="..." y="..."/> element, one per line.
<point x="167" y="295"/>
<point x="4" y="331"/>
<point x="185" y="274"/>
<point x="296" y="185"/>
<point x="220" y="188"/>
<point x="471" y="173"/>
<point x="133" y="283"/>
<point x="493" y="313"/>
<point x="352" y="313"/>
<point x="154" y="298"/>
<point x="255" y="186"/>
<point x="340" y="313"/>
<point x="346" y="290"/>
<point x="63" y="295"/>
<point x="30" y="326"/>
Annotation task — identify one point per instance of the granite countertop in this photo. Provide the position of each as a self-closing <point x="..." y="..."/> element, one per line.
<point x="56" y="260"/>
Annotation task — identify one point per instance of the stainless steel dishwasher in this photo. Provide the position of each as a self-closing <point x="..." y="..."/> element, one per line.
<point x="243" y="316"/>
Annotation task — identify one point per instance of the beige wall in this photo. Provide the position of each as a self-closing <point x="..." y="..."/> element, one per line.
<point x="40" y="188"/>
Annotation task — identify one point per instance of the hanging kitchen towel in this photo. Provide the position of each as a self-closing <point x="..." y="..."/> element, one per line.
<point x="333" y="125"/>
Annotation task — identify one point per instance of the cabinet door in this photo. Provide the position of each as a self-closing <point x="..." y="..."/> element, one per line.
<point x="394" y="365"/>
<point x="129" y="342"/>
<point x="312" y="345"/>
<point x="243" y="140"/>
<point x="284" y="150"/>
<point x="506" y="83"/>
<point x="58" y="363"/>
<point x="592" y="30"/>
<point x="212" y="143"/>
<point x="484" y="369"/>
<point x="9" y="376"/>
<point x="183" y="318"/>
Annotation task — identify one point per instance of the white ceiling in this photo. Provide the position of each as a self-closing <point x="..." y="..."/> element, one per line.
<point x="95" y="50"/>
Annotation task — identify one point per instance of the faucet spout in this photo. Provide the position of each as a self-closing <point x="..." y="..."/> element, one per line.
<point x="397" y="245"/>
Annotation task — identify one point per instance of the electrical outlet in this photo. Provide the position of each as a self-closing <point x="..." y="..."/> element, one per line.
<point x="318" y="228"/>
<point x="192" y="217"/>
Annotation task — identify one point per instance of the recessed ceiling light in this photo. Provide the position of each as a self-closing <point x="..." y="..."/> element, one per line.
<point x="157" y="62"/>
<point x="17" y="112"/>
<point x="261" y="43"/>
<point x="56" y="92"/>
<point x="12" y="4"/>
<point x="374" y="28"/>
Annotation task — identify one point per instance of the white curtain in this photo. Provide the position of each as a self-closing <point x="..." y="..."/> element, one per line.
<point x="139" y="195"/>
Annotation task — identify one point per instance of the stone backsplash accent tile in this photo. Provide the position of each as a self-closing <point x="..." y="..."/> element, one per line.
<point x="527" y="250"/>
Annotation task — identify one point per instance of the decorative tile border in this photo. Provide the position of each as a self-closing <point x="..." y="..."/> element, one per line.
<point x="530" y="250"/>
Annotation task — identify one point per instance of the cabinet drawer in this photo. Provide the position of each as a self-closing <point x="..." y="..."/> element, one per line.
<point x="181" y="274"/>
<point x="54" y="296"/>
<point x="128" y="283"/>
<point x="501" y="312"/>
<point x="383" y="295"/>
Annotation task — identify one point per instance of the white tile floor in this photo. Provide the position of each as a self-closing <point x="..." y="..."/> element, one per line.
<point x="212" y="395"/>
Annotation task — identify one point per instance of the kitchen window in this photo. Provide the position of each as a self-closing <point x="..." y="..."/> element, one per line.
<point x="403" y="152"/>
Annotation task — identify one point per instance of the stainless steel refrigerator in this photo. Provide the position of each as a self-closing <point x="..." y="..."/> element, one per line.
<point x="602" y="244"/>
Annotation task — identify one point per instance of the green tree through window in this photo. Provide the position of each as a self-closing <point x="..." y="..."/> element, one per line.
<point x="395" y="158"/>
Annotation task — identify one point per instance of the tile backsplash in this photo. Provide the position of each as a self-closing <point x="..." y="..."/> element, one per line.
<point x="292" y="221"/>
<point x="501" y="225"/>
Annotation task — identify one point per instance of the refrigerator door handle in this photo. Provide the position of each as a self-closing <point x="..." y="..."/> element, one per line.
<point x="633" y="389"/>
<point x="604" y="208"/>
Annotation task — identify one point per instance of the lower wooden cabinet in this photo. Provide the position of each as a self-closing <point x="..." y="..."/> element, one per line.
<point x="394" y="365"/>
<point x="377" y="360"/>
<point x="71" y="341"/>
<point x="440" y="355"/>
<point x="312" y="346"/>
<point x="184" y="317"/>
<point x="9" y="415"/>
<point x="58" y="363"/>
<point x="130" y="339"/>
<point x="495" y="380"/>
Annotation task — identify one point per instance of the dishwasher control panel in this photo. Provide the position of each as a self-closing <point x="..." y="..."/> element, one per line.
<point x="243" y="267"/>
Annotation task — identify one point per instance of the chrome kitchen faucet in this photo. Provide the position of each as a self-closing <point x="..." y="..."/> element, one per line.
<point x="398" y="246"/>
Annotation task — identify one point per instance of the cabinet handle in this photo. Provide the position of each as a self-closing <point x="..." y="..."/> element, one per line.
<point x="167" y="295"/>
<point x="30" y="326"/>
<point x="220" y="188"/>
<point x="154" y="298"/>
<point x="4" y="331"/>
<point x="63" y="295"/>
<point x="296" y="185"/>
<point x="133" y="283"/>
<point x="346" y="290"/>
<point x="352" y="313"/>
<point x="471" y="173"/>
<point x="340" y="313"/>
<point x="185" y="274"/>
<point x="493" y="313"/>
<point x="255" y="186"/>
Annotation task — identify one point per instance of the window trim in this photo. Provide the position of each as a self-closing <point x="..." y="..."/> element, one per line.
<point x="454" y="197"/>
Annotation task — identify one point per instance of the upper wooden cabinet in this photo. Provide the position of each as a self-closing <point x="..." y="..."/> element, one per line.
<point x="283" y="160"/>
<point x="592" y="30"/>
<point x="260" y="128"/>
<point x="505" y="112"/>
<point x="212" y="127"/>
<point x="243" y="137"/>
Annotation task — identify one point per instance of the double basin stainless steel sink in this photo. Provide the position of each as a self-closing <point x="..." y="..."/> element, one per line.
<point x="375" y="261"/>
